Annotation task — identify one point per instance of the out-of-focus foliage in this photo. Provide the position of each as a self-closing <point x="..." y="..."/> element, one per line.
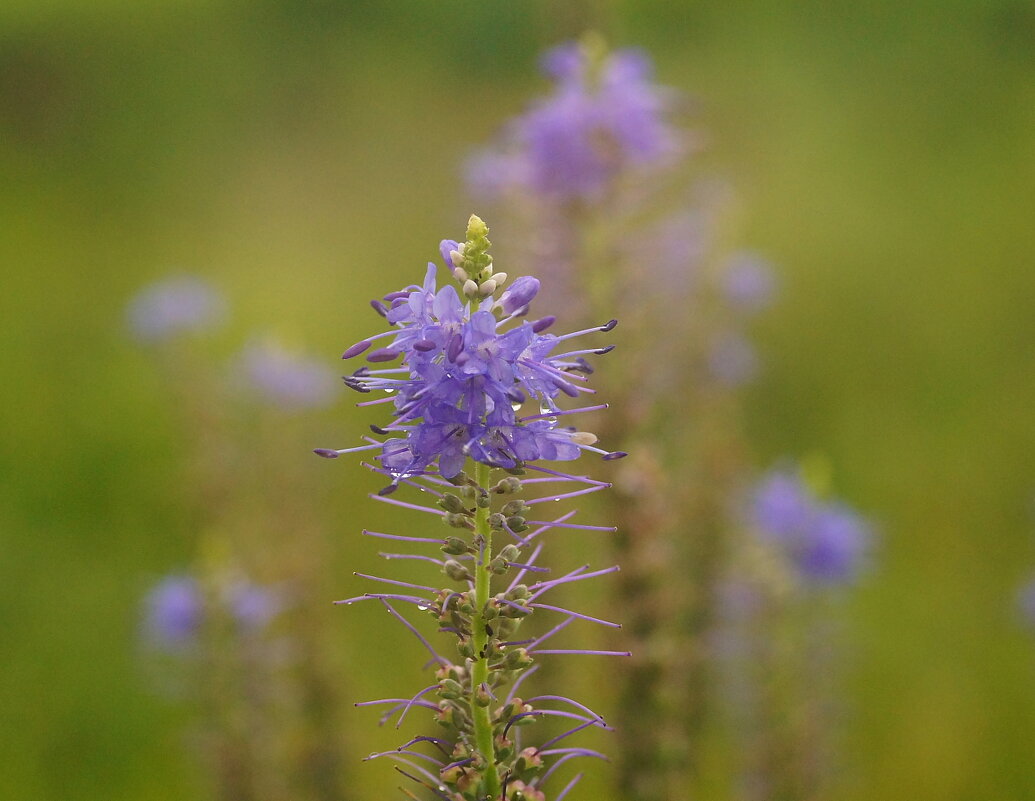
<point x="302" y="154"/>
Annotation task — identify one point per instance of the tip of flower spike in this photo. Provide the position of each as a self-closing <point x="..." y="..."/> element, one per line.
<point x="609" y="325"/>
<point x="326" y="453"/>
<point x="356" y="349"/>
<point x="610" y="457"/>
<point x="476" y="227"/>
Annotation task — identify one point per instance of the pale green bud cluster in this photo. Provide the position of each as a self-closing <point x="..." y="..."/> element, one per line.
<point x="472" y="264"/>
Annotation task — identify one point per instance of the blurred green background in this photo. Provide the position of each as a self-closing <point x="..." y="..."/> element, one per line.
<point x="304" y="155"/>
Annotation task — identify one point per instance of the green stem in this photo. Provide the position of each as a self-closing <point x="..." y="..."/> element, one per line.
<point x="480" y="673"/>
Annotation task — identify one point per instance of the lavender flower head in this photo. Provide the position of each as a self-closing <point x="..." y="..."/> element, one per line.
<point x="604" y="116"/>
<point x="287" y="379"/>
<point x="172" y="306"/>
<point x="469" y="365"/>
<point x="826" y="542"/>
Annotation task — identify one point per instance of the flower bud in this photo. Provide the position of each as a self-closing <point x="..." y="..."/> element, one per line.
<point x="520" y="294"/>
<point x="455" y="546"/>
<point x="514" y="507"/>
<point x="456" y="571"/>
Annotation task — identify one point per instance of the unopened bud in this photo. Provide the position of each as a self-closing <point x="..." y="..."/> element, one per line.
<point x="455" y="570"/>
<point x="516" y="524"/>
<point x="470" y="288"/>
<point x="458" y="520"/>
<point x="520" y="294"/>
<point x="510" y="552"/>
<point x="455" y="546"/>
<point x="487" y="288"/>
<point x="500" y="279"/>
<point x="450" y="503"/>
<point x="507" y="486"/>
<point x="514" y="507"/>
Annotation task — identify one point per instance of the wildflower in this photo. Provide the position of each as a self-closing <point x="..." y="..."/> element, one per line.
<point x="605" y="116"/>
<point x="470" y="365"/>
<point x="467" y="367"/>
<point x="175" y="305"/>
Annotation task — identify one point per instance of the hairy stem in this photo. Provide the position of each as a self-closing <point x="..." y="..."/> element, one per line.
<point x="480" y="637"/>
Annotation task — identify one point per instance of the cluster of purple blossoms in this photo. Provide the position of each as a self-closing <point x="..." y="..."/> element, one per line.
<point x="175" y="610"/>
<point x="469" y="367"/>
<point x="827" y="542"/>
<point x="175" y="305"/>
<point x="605" y="117"/>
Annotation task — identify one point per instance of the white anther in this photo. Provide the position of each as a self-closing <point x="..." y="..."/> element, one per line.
<point x="583" y="438"/>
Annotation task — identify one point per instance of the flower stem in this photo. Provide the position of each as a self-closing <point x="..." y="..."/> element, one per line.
<point x="480" y="637"/>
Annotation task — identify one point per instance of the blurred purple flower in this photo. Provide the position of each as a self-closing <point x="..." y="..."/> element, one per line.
<point x="826" y="542"/>
<point x="833" y="550"/>
<point x="748" y="282"/>
<point x="782" y="505"/>
<point x="287" y="379"/>
<point x="252" y="606"/>
<point x="604" y="116"/>
<point x="174" y="305"/>
<point x="733" y="359"/>
<point x="173" y="612"/>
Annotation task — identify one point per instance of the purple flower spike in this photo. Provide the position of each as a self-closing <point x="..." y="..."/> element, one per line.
<point x="479" y="391"/>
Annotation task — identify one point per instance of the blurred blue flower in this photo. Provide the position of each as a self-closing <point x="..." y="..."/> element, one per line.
<point x="252" y="606"/>
<point x="826" y="542"/>
<point x="287" y="379"/>
<point x="174" y="305"/>
<point x="174" y="610"/>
